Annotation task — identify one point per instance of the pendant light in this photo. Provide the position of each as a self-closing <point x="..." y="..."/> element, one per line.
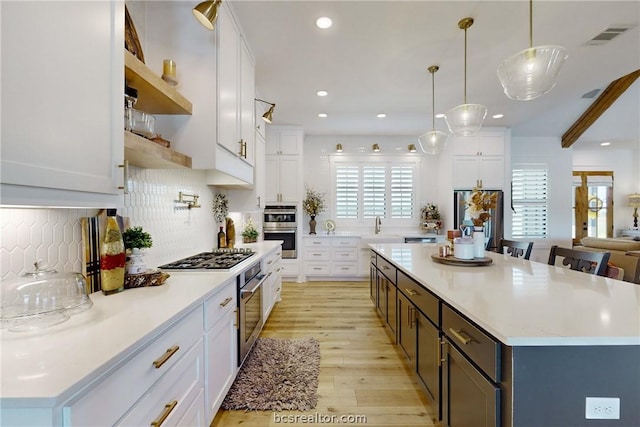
<point x="465" y="119"/>
<point x="532" y="72"/>
<point x="433" y="142"/>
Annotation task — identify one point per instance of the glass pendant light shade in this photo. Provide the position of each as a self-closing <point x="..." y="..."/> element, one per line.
<point x="433" y="142"/>
<point x="465" y="119"/>
<point x="532" y="72"/>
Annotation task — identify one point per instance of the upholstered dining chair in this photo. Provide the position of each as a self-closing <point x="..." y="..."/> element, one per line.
<point x="587" y="262"/>
<point x="515" y="248"/>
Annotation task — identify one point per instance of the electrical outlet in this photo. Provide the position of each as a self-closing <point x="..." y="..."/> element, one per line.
<point x="602" y="408"/>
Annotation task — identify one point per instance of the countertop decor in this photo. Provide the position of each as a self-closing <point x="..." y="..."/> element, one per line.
<point x="220" y="207"/>
<point x="480" y="204"/>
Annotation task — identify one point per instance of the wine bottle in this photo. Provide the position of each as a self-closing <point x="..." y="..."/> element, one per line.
<point x="112" y="256"/>
<point x="222" y="239"/>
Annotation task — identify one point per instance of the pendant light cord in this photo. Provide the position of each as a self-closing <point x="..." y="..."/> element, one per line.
<point x="433" y="100"/>
<point x="465" y="65"/>
<point x="530" y="23"/>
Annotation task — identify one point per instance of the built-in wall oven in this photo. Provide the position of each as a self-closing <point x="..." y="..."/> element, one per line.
<point x="280" y="222"/>
<point x="250" y="309"/>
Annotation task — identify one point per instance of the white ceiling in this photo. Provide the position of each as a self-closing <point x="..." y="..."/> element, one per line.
<point x="374" y="60"/>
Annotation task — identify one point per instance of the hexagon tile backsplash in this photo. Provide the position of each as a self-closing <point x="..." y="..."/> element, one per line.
<point x="54" y="235"/>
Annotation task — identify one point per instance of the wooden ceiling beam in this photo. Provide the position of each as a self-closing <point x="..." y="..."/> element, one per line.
<point x="600" y="105"/>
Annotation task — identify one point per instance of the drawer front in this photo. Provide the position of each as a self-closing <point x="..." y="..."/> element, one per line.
<point x="386" y="268"/>
<point x="219" y="304"/>
<point x="345" y="242"/>
<point x="344" y="268"/>
<point x="481" y="348"/>
<point x="170" y="399"/>
<point x="345" y="254"/>
<point x="316" y="269"/>
<point x="314" y="254"/>
<point x="109" y="399"/>
<point x="424" y="300"/>
<point x="316" y="243"/>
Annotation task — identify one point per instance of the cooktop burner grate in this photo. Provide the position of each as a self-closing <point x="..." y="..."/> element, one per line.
<point x="221" y="259"/>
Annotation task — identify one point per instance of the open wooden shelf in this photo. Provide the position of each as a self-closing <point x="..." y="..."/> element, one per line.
<point x="143" y="153"/>
<point x="155" y="96"/>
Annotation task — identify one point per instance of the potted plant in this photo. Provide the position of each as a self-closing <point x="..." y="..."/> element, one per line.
<point x="313" y="204"/>
<point x="250" y="233"/>
<point x="135" y="238"/>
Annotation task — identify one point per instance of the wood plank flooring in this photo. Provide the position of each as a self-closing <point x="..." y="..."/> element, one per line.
<point x="361" y="372"/>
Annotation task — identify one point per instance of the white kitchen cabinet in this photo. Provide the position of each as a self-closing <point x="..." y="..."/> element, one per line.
<point x="236" y="87"/>
<point x="62" y="138"/>
<point x="166" y="369"/>
<point x="283" y="164"/>
<point x="479" y="160"/>
<point x="332" y="257"/>
<point x="221" y="345"/>
<point x="271" y="266"/>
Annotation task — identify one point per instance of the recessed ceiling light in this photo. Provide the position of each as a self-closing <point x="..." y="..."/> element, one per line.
<point x="498" y="116"/>
<point x="605" y="144"/>
<point x="439" y="116"/>
<point x="324" y="22"/>
<point x="322" y="93"/>
<point x="322" y="115"/>
<point x="382" y="115"/>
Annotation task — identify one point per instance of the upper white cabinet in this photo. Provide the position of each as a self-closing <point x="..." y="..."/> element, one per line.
<point x="62" y="96"/>
<point x="479" y="160"/>
<point x="283" y="164"/>
<point x="236" y="88"/>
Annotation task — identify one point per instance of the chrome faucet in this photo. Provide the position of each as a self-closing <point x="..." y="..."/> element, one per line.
<point x="378" y="223"/>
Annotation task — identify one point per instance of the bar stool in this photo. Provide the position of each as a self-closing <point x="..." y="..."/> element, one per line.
<point x="587" y="262"/>
<point x="515" y="249"/>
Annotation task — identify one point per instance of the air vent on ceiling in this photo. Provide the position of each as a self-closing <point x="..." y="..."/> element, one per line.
<point x="609" y="34"/>
<point x="591" y="93"/>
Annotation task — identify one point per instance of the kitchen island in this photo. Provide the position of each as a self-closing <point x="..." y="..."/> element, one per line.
<point x="108" y="364"/>
<point x="516" y="343"/>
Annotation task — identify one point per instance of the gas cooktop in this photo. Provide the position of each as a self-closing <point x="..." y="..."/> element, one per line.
<point x="220" y="259"/>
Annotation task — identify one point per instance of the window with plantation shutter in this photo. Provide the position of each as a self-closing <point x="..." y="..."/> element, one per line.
<point x="375" y="189"/>
<point x="530" y="201"/>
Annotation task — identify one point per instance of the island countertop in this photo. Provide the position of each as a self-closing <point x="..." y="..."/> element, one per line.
<point x="527" y="303"/>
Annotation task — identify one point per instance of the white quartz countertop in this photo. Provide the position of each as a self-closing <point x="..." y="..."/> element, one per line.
<point x="526" y="303"/>
<point x="52" y="364"/>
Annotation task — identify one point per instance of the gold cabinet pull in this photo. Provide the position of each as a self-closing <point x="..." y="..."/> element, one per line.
<point x="237" y="320"/>
<point x="384" y="267"/>
<point x="162" y="359"/>
<point x="125" y="172"/>
<point x="225" y="302"/>
<point x="165" y="413"/>
<point x="440" y="358"/>
<point x="411" y="292"/>
<point x="460" y="337"/>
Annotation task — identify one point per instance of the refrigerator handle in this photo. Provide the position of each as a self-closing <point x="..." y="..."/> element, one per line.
<point x="511" y="198"/>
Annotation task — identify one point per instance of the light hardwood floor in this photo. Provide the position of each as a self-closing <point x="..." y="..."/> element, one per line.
<point x="361" y="372"/>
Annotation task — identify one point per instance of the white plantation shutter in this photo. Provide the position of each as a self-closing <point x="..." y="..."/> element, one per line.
<point x="375" y="189"/>
<point x="401" y="192"/>
<point x="347" y="186"/>
<point x="374" y="185"/>
<point x="529" y="199"/>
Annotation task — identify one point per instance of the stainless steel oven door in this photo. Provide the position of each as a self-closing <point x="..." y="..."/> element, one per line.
<point x="251" y="320"/>
<point x="288" y="237"/>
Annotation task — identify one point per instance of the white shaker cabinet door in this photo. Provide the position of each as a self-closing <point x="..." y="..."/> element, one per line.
<point x="62" y="96"/>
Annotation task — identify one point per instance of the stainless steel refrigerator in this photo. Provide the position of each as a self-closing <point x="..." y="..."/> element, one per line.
<point x="494" y="228"/>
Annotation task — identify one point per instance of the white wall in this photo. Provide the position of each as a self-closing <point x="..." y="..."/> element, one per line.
<point x="317" y="170"/>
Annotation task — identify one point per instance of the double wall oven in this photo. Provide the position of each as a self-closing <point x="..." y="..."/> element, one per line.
<point x="249" y="289"/>
<point x="280" y="222"/>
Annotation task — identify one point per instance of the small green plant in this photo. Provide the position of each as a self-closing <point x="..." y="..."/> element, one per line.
<point x="136" y="237"/>
<point x="250" y="232"/>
